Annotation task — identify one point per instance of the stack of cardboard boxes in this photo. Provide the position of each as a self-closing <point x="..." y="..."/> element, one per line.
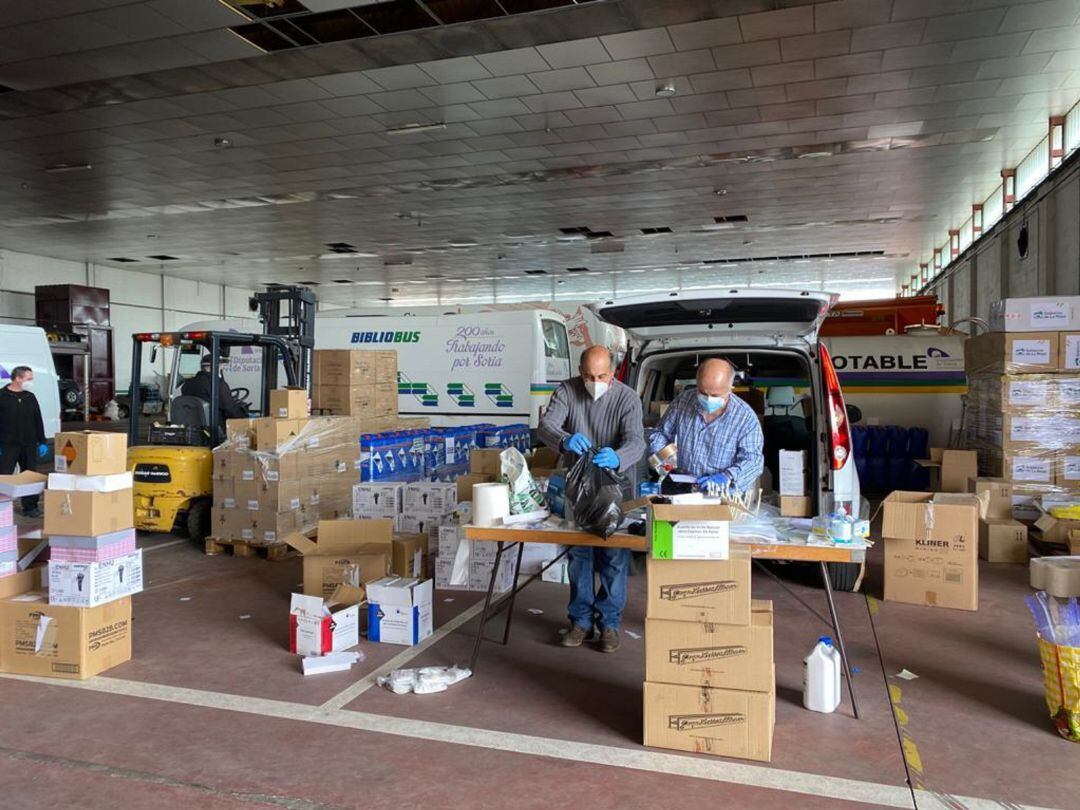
<point x="282" y="474"/>
<point x="710" y="680"/>
<point x="72" y="618"/>
<point x="1002" y="539"/>
<point x="349" y="382"/>
<point x="1023" y="398"/>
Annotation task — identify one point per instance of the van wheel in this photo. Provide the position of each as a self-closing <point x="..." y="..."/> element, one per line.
<point x="198" y="521"/>
<point x="843" y="576"/>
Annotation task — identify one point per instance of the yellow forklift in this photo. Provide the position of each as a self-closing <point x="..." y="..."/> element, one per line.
<point x="172" y="462"/>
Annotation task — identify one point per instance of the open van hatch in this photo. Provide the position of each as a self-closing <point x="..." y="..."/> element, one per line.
<point x="787" y="313"/>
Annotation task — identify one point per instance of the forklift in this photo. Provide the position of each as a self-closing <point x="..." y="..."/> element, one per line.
<point x="172" y="463"/>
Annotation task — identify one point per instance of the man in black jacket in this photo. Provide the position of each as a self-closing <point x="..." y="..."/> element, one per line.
<point x="199" y="386"/>
<point x="22" y="432"/>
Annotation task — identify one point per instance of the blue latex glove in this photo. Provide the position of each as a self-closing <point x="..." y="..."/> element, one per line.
<point x="718" y="480"/>
<point x="43" y="450"/>
<point x="578" y="443"/>
<point x="606" y="459"/>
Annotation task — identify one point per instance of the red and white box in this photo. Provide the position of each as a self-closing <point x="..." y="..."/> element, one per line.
<point x="102" y="548"/>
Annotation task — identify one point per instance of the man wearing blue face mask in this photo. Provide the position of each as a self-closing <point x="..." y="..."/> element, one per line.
<point x="718" y="436"/>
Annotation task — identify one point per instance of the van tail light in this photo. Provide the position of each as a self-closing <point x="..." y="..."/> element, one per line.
<point x="622" y="373"/>
<point x="839" y="428"/>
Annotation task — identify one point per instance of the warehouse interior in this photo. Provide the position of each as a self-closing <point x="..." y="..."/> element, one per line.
<point x="383" y="171"/>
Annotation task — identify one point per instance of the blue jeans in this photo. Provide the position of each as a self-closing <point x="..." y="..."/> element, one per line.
<point x="586" y="601"/>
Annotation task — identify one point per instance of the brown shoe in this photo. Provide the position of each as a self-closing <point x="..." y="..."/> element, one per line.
<point x="574" y="636"/>
<point x="609" y="640"/>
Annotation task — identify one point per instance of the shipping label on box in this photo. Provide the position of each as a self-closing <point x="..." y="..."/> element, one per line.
<point x="689" y="540"/>
<point x="89" y="584"/>
<point x="718" y="655"/>
<point x="1068" y="471"/>
<point x="1069" y="353"/>
<point x="793" y="472"/>
<point x="721" y="722"/>
<point x="91" y="453"/>
<point x="700" y="590"/>
<point x="931" y="549"/>
<point x="1030" y="469"/>
<point x="1011" y="353"/>
<point x="400" y="610"/>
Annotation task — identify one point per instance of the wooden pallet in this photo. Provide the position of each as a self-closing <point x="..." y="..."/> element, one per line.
<point x="242" y="548"/>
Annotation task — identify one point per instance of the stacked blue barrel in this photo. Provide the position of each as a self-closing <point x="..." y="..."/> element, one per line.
<point x="885" y="454"/>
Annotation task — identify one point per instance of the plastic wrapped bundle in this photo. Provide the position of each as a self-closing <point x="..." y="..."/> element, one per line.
<point x="595" y="496"/>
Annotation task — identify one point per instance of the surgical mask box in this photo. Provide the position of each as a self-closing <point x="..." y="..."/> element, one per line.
<point x="400" y="610"/>
<point x="90" y="453"/>
<point x="318" y="626"/>
<point x="377" y="500"/>
<point x="55" y="641"/>
<point x="89" y="584"/>
<point x="792" y="472"/>
<point x="688" y="531"/>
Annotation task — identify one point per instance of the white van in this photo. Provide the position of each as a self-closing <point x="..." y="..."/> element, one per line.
<point x="771" y="337"/>
<point x="28" y="346"/>
<point x="498" y="367"/>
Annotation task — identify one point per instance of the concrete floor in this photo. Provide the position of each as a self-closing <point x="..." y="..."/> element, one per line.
<point x="213" y="712"/>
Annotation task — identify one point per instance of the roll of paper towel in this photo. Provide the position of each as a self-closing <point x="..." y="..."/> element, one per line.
<point x="491" y="503"/>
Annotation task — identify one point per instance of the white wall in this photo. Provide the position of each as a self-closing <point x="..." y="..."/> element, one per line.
<point x="992" y="268"/>
<point x="137" y="300"/>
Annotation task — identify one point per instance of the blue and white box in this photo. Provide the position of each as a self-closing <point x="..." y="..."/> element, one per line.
<point x="400" y="610"/>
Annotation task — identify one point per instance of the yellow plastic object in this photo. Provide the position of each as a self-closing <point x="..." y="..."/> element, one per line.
<point x="1061" y="686"/>
<point x="1071" y="512"/>
<point x="167" y="481"/>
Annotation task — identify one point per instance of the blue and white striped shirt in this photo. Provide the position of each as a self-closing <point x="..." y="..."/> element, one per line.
<point x="732" y="443"/>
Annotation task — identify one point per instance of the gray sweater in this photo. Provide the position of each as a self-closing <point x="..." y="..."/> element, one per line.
<point x="612" y="421"/>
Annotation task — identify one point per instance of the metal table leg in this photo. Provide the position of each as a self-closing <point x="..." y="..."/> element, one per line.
<point x="487" y="608"/>
<point x="827" y="583"/>
<point x="513" y="593"/>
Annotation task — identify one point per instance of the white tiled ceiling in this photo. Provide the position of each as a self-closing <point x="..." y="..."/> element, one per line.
<point x="858" y="126"/>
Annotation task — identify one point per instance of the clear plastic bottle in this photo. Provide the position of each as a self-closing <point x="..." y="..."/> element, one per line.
<point x="821" y="677"/>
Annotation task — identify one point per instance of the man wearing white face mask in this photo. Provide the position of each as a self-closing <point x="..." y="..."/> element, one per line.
<point x="22" y="432"/>
<point x="718" y="435"/>
<point x="595" y="410"/>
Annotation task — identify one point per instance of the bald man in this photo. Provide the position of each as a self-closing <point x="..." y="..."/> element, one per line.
<point x="718" y="435"/>
<point x="594" y="410"/>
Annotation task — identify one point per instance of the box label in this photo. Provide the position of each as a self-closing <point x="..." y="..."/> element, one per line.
<point x="1030" y="352"/>
<point x="1032" y="469"/>
<point x="703" y="540"/>
<point x="1050" y="314"/>
<point x="1028" y="393"/>
<point x="1070" y="468"/>
<point x="1071" y="351"/>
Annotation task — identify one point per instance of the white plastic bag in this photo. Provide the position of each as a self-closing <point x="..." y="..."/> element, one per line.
<point x="525" y="495"/>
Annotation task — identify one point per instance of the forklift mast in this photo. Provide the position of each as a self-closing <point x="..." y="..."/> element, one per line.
<point x="288" y="312"/>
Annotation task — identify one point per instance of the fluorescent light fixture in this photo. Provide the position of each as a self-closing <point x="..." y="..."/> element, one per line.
<point x="61" y="168"/>
<point x="358" y="255"/>
<point x="414" y="128"/>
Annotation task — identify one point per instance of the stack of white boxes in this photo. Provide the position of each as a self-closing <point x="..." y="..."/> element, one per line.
<point x="89" y="520"/>
<point x="426" y="507"/>
<point x="481" y="562"/>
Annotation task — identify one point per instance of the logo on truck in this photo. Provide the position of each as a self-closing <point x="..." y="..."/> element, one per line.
<point x="385" y="337"/>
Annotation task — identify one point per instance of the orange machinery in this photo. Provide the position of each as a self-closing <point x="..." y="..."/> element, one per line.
<point x="887" y="316"/>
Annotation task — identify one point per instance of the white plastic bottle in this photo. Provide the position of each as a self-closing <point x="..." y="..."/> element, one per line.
<point x="821" y="677"/>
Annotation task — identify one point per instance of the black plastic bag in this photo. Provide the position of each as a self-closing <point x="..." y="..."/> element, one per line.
<point x="595" y="496"/>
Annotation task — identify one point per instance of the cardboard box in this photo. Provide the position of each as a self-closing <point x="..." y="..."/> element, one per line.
<point x="377" y="500"/>
<point x="386" y="369"/>
<point x="1011" y="353"/>
<point x="688" y="531"/>
<point x="89" y="584"/>
<point x="1025" y="500"/>
<point x="486" y="462"/>
<point x="1069" y="351"/>
<point x="346" y="552"/>
<point x="480" y="574"/>
<point x="465" y="484"/>
<point x="239" y="431"/>
<point x="1056" y="531"/>
<point x="997" y="494"/>
<point x="272" y="435"/>
<point x="22" y="484"/>
<point x="700" y="590"/>
<point x="344" y="367"/>
<point x="400" y="610"/>
<point x="351" y="400"/>
<point x="1003" y="541"/>
<point x="793" y="472"/>
<point x="1067" y="469"/>
<point x="90" y="453"/>
<point x="91" y="483"/>
<point x="102" y="548"/>
<point x="407" y="524"/>
<point x="430" y="497"/>
<point x="37" y="638"/>
<point x="88" y="513"/>
<point x="386" y="397"/>
<point x="721" y="722"/>
<point x="728" y="656"/>
<point x="954" y="469"/>
<point x="289" y="403"/>
<point x="409" y="557"/>
<point x="1051" y="314"/>
<point x="931" y="549"/>
<point x="1038" y="430"/>
<point x="796" y="506"/>
<point x="319" y="626"/>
